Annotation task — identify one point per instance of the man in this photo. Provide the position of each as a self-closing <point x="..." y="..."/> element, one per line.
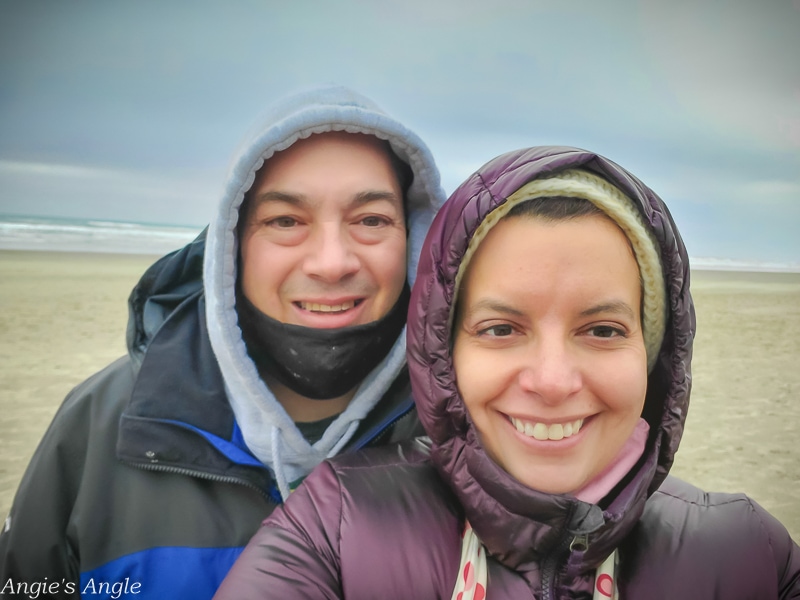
<point x="274" y="340"/>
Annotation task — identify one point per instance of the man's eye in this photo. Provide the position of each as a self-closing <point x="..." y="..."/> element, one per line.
<point x="373" y="221"/>
<point x="283" y="222"/>
<point x="497" y="331"/>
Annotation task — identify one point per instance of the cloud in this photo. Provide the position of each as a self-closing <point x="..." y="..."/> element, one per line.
<point x="733" y="70"/>
<point x="43" y="189"/>
<point x="775" y="191"/>
<point x="39" y="169"/>
<point x="133" y="107"/>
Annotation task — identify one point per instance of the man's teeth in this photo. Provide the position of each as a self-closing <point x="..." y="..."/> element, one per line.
<point x="327" y="308"/>
<point x="541" y="431"/>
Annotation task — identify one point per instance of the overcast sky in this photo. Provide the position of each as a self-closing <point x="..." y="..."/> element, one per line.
<point x="131" y="110"/>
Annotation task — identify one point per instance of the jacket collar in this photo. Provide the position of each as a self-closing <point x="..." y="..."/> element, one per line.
<point x="178" y="417"/>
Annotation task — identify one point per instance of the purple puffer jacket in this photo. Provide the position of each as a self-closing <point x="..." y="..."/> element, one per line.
<point x="386" y="524"/>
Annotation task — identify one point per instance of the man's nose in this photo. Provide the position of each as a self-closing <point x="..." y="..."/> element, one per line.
<point x="331" y="255"/>
<point x="551" y="369"/>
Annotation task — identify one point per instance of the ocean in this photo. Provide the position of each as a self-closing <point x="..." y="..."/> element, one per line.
<point x="94" y="235"/>
<point x="747" y="266"/>
<point x="91" y="235"/>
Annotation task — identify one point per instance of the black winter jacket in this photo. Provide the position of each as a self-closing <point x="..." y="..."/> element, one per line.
<point x="156" y="471"/>
<point x="104" y="500"/>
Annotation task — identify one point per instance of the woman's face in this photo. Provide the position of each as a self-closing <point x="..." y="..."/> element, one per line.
<point x="548" y="350"/>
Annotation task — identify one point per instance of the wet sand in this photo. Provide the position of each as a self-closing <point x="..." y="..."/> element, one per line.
<point x="63" y="317"/>
<point x="744" y="416"/>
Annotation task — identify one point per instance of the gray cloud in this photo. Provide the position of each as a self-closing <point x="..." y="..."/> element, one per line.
<point x="142" y="103"/>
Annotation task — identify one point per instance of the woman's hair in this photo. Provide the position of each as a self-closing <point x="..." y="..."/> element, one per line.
<point x="555" y="208"/>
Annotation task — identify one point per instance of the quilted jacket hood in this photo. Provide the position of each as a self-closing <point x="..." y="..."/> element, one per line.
<point x="519" y="525"/>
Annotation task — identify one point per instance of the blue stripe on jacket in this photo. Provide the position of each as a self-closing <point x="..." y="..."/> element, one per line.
<point x="159" y="573"/>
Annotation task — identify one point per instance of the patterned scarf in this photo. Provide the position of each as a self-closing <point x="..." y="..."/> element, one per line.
<point x="473" y="574"/>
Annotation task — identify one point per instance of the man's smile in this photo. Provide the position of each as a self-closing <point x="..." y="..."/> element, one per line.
<point x="328" y="308"/>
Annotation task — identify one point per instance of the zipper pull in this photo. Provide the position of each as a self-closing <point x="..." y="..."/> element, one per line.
<point x="580" y="543"/>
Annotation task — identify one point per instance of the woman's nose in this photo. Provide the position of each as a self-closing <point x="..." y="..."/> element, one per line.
<point x="550" y="369"/>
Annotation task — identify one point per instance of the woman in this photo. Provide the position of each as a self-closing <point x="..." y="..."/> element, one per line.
<point x="550" y="337"/>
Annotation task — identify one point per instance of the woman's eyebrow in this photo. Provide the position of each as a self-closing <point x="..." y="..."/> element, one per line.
<point x="614" y="307"/>
<point x="493" y="305"/>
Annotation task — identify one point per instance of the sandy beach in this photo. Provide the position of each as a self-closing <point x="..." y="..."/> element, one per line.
<point x="63" y="317"/>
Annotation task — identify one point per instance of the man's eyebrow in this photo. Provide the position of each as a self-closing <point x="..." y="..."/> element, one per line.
<point x="614" y="307"/>
<point x="276" y="196"/>
<point x="368" y="196"/>
<point x="361" y="198"/>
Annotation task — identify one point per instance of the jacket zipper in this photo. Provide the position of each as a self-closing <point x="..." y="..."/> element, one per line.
<point x="199" y="475"/>
<point x="578" y="542"/>
<point x="386" y="427"/>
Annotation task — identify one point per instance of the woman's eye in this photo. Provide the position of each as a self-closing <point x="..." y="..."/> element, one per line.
<point x="497" y="331"/>
<point x="606" y="331"/>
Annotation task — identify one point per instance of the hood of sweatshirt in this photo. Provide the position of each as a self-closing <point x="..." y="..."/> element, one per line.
<point x="267" y="429"/>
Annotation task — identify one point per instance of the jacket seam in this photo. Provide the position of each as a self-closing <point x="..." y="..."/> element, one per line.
<point x="764" y="529"/>
<point x="340" y="511"/>
<point x="423" y="464"/>
<point x="740" y="498"/>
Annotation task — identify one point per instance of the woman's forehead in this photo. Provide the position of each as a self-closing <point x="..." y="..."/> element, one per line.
<point x="526" y="253"/>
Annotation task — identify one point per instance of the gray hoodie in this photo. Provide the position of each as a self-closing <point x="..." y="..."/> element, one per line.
<point x="267" y="429"/>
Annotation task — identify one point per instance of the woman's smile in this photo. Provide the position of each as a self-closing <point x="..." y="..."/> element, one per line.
<point x="548" y="350"/>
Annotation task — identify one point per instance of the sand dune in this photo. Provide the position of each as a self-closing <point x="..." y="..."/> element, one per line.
<point x="63" y="316"/>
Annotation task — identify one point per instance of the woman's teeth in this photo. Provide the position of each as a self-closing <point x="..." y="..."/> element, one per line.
<point x="327" y="308"/>
<point x="541" y="431"/>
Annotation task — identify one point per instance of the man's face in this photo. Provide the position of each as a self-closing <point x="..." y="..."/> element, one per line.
<point x="324" y="244"/>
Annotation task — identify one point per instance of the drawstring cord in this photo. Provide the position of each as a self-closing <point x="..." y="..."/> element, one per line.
<point x="351" y="429"/>
<point x="280" y="475"/>
<point x="277" y="462"/>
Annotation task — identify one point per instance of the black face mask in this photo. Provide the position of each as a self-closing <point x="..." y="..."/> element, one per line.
<point x="319" y="363"/>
